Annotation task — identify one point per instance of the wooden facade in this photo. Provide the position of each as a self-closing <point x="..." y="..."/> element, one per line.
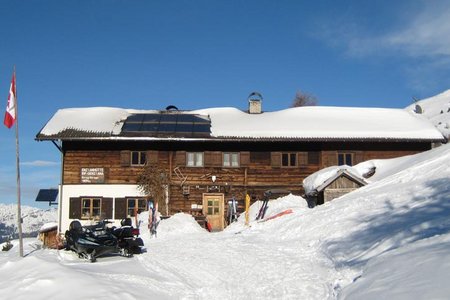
<point x="260" y="167"/>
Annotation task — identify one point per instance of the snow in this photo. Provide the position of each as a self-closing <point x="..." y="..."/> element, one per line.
<point x="48" y="226"/>
<point x="94" y="119"/>
<point x="315" y="180"/>
<point x="33" y="219"/>
<point x="387" y="240"/>
<point x="437" y="110"/>
<point x="317" y="122"/>
<point x="320" y="122"/>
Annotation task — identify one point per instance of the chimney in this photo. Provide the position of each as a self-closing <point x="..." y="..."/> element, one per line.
<point x="255" y="103"/>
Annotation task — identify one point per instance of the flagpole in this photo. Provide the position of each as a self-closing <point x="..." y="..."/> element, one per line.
<point x="19" y="212"/>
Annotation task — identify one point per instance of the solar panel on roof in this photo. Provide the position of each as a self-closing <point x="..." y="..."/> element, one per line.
<point x="183" y="125"/>
<point x="151" y="118"/>
<point x="185" y="118"/>
<point x="135" y="118"/>
<point x="132" y="127"/>
<point x="202" y="128"/>
<point x="168" y="118"/>
<point x="167" y="127"/>
<point x="149" y="127"/>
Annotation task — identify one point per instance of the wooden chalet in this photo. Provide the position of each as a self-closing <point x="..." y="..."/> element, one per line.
<point x="212" y="155"/>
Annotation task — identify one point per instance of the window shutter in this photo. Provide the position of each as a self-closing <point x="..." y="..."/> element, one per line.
<point x="107" y="208"/>
<point x="275" y="158"/>
<point x="358" y="157"/>
<point x="216" y="159"/>
<point x="125" y="157"/>
<point x="244" y="158"/>
<point x="313" y="158"/>
<point x="152" y="157"/>
<point x="213" y="159"/>
<point x="330" y="158"/>
<point x="181" y="158"/>
<point x="74" y="208"/>
<point x="302" y="158"/>
<point x="120" y="211"/>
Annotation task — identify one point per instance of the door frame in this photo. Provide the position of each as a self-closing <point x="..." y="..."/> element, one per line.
<point x="220" y="216"/>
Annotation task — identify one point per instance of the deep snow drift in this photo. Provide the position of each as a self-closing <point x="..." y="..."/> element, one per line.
<point x="387" y="240"/>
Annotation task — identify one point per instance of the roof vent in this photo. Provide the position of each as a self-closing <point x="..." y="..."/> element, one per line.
<point x="255" y="103"/>
<point x="171" y="108"/>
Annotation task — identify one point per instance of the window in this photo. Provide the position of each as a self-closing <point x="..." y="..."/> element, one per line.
<point x="138" y="158"/>
<point x="289" y="159"/>
<point x="136" y="205"/>
<point x="231" y="159"/>
<point x="194" y="159"/>
<point x="345" y="159"/>
<point x="213" y="207"/>
<point x="90" y="208"/>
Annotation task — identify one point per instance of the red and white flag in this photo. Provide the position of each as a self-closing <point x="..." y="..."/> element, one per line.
<point x="10" y="114"/>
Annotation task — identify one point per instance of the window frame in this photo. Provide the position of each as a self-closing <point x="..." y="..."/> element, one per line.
<point x="290" y="155"/>
<point x="141" y="158"/>
<point x="213" y="207"/>
<point x="195" y="159"/>
<point x="230" y="156"/>
<point x="345" y="157"/>
<point x="137" y="200"/>
<point x="91" y="208"/>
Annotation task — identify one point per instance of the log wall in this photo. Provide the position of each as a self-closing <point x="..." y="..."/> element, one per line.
<point x="258" y="171"/>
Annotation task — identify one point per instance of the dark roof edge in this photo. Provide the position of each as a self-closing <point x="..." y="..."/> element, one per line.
<point x="99" y="137"/>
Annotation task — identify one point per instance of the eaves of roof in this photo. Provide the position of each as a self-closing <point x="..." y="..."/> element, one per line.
<point x="74" y="135"/>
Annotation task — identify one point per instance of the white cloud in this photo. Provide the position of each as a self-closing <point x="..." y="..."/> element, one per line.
<point x="40" y="163"/>
<point x="427" y="34"/>
<point x="423" y="32"/>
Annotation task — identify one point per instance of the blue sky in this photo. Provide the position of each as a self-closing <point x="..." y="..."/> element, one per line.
<point x="197" y="54"/>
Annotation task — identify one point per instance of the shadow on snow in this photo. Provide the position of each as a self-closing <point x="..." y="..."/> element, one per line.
<point x="425" y="216"/>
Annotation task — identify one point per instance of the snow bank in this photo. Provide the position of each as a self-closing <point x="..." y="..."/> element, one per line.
<point x="296" y="203"/>
<point x="437" y="110"/>
<point x="179" y="224"/>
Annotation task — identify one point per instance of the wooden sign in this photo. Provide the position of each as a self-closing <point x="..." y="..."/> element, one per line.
<point x="92" y="175"/>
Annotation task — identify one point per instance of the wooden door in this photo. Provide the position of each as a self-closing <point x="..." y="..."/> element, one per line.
<point x="213" y="209"/>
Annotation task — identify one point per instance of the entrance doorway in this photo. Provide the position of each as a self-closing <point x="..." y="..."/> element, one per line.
<point x="213" y="209"/>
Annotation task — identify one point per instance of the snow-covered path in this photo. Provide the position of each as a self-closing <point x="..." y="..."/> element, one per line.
<point x="241" y="265"/>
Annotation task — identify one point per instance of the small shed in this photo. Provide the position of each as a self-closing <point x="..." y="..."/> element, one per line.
<point x="331" y="183"/>
<point x="48" y="234"/>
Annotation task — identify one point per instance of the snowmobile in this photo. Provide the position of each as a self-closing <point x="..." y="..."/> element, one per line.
<point x="128" y="238"/>
<point x="90" y="242"/>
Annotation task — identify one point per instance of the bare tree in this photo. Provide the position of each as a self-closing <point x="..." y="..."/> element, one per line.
<point x="304" y="99"/>
<point x="153" y="182"/>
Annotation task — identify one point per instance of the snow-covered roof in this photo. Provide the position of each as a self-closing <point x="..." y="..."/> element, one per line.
<point x="303" y="123"/>
<point x="319" y="180"/>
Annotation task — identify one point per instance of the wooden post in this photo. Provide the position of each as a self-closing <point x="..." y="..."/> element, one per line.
<point x="247" y="208"/>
